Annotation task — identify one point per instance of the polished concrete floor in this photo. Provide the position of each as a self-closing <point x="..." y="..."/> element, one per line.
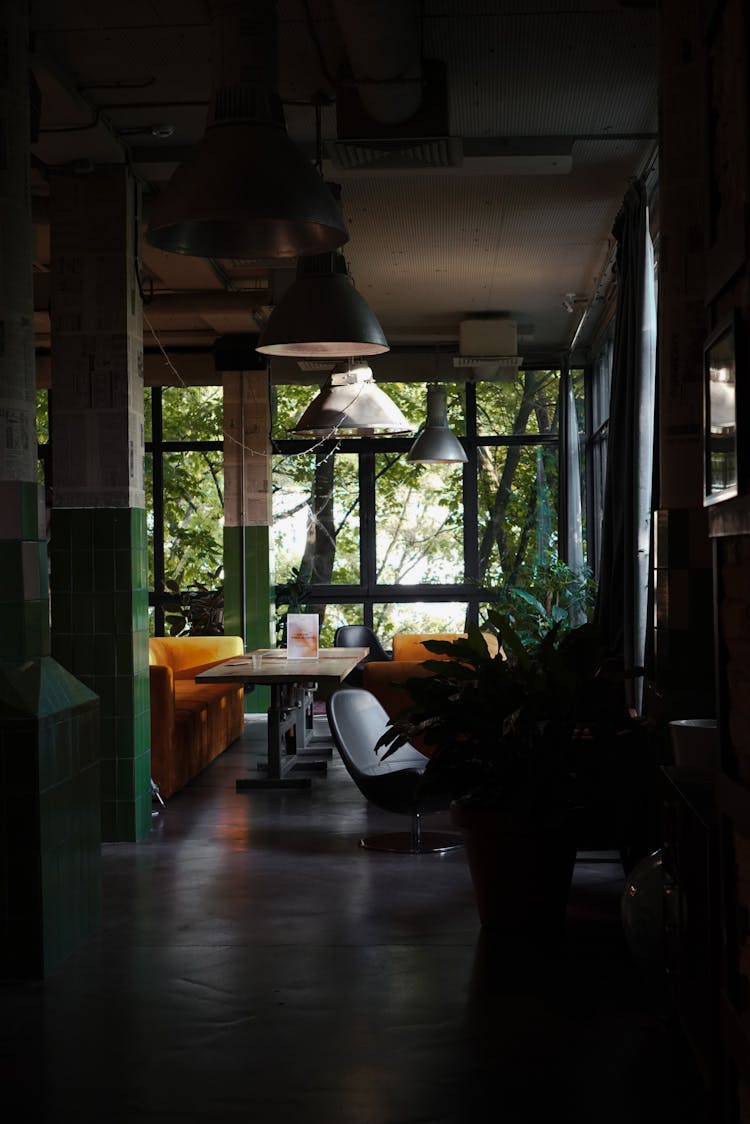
<point x="255" y="965"/>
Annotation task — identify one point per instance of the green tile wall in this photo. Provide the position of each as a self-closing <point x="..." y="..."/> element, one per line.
<point x="259" y="601"/>
<point x="24" y="590"/>
<point x="99" y="596"/>
<point x="50" y="823"/>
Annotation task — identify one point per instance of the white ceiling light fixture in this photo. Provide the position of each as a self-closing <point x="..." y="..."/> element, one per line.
<point x="246" y="190"/>
<point x="322" y="314"/>
<point x="487" y="344"/>
<point x="436" y="443"/>
<point x="351" y="405"/>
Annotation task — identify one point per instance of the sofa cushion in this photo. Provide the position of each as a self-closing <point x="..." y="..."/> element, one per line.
<point x="185" y="654"/>
<point x="410" y="645"/>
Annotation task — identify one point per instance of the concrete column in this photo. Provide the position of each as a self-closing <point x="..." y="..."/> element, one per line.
<point x="248" y="586"/>
<point x="98" y="543"/>
<point x="684" y="665"/>
<point x="49" y="769"/>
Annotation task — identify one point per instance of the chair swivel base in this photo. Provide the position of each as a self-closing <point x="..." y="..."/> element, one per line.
<point x="403" y="842"/>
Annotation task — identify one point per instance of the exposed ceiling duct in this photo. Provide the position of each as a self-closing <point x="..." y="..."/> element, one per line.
<point x="383" y="44"/>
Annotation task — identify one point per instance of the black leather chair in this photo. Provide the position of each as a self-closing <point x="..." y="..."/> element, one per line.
<point x="359" y="636"/>
<point x="357" y="720"/>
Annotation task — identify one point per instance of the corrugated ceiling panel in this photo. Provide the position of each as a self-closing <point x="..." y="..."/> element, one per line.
<point x="541" y="73"/>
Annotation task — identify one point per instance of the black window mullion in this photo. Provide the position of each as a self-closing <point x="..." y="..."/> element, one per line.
<point x="470" y="496"/>
<point x="367" y="562"/>
<point x="157" y="470"/>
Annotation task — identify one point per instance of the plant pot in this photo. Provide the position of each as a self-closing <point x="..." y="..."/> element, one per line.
<point x="521" y="877"/>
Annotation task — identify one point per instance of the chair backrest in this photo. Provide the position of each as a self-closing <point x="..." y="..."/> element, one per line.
<point x="357" y="720"/>
<point x="360" y="636"/>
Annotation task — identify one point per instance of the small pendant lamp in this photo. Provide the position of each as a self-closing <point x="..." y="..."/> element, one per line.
<point x="322" y="314"/>
<point x="436" y="444"/>
<point x="351" y="405"/>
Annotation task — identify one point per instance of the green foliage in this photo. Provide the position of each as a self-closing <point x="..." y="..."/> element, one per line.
<point x="291" y="596"/>
<point x="194" y="612"/>
<point x="501" y="726"/>
<point x="551" y="595"/>
<point x="193" y="490"/>
<point x="42" y="416"/>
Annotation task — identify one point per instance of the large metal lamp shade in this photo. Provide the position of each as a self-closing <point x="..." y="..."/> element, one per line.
<point x="436" y="444"/>
<point x="351" y="405"/>
<point x="246" y="190"/>
<point x="322" y="314"/>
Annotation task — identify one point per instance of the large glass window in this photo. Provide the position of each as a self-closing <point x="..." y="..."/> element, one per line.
<point x="184" y="481"/>
<point x="415" y="546"/>
<point x="359" y="534"/>
<point x="316" y="516"/>
<point x="517" y="511"/>
<point x="597" y="399"/>
<point x="418" y="522"/>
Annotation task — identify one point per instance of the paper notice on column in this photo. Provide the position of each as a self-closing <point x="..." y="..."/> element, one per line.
<point x="302" y="636"/>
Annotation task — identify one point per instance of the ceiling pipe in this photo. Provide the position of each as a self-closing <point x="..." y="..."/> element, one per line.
<point x="384" y="46"/>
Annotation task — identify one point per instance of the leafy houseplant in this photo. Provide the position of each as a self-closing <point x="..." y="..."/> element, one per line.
<point x="503" y="730"/>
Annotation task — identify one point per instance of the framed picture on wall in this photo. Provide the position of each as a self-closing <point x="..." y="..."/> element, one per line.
<point x="722" y="447"/>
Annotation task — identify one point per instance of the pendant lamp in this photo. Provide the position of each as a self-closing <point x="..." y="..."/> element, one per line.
<point x="436" y="444"/>
<point x="351" y="405"/>
<point x="246" y="190"/>
<point x="322" y="314"/>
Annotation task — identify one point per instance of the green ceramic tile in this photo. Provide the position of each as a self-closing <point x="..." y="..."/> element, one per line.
<point x="12" y="632"/>
<point x="126" y="780"/>
<point x="108" y="814"/>
<point x="82" y="571"/>
<point x="143" y="814"/>
<point x="122" y="567"/>
<point x="81" y="527"/>
<point x="62" y="615"/>
<point x="105" y="655"/>
<point x="103" y="574"/>
<point x="142" y="731"/>
<point x="82" y="612"/>
<point x="60" y="569"/>
<point x="108" y="774"/>
<point x="124" y="695"/>
<point x="143" y="772"/>
<point x="124" y="735"/>
<point x="122" y="527"/>
<point x="84" y="656"/>
<point x="104" y="614"/>
<point x="11" y="571"/>
<point x="103" y="535"/>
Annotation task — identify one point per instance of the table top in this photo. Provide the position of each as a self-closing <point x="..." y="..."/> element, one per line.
<point x="331" y="666"/>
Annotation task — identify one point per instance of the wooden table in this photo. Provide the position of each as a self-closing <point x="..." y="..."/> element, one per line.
<point x="292" y="682"/>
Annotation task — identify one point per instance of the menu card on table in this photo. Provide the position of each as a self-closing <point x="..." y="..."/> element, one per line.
<point x="302" y="636"/>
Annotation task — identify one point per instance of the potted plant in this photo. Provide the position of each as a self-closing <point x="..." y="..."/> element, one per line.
<point x="505" y="732"/>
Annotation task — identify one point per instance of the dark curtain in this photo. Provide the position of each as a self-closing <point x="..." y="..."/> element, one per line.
<point x="622" y="599"/>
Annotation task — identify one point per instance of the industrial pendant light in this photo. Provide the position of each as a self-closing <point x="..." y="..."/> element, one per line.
<point x="351" y="405"/>
<point x="436" y="444"/>
<point x="246" y="190"/>
<point x="322" y="314"/>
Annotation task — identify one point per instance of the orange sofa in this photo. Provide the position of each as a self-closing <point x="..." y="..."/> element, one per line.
<point x="385" y="680"/>
<point x="191" y="723"/>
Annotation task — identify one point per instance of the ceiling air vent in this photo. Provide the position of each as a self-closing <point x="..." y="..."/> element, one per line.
<point x="419" y="152"/>
<point x="487" y="344"/>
